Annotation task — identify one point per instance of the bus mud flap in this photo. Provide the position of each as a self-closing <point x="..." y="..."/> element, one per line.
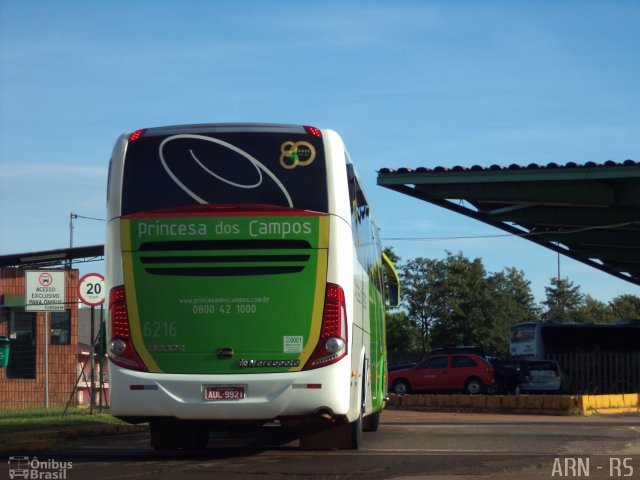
<point x="337" y="436"/>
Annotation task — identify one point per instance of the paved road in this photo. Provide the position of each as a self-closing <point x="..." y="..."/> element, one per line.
<point x="409" y="445"/>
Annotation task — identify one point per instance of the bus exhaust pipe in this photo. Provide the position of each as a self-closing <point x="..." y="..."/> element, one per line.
<point x="326" y="415"/>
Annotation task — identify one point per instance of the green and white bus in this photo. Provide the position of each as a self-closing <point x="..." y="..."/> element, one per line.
<point x="246" y="285"/>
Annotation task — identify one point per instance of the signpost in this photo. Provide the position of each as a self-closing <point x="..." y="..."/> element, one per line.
<point x="45" y="292"/>
<point x="91" y="292"/>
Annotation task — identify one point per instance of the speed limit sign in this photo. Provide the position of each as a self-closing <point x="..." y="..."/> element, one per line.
<point x="91" y="289"/>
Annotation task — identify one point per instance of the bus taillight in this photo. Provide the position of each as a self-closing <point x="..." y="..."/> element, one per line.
<point x="332" y="344"/>
<point x="121" y="351"/>
<point x="313" y="131"/>
<point x="136" y="135"/>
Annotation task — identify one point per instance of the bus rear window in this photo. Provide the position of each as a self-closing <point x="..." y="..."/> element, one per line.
<point x="173" y="170"/>
<point x="523" y="334"/>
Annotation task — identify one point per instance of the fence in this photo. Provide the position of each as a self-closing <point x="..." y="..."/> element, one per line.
<point x="601" y="372"/>
<point x="396" y="359"/>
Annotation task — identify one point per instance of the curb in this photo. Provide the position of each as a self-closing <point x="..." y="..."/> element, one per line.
<point x="597" y="404"/>
<point x="541" y="404"/>
<point x="36" y="440"/>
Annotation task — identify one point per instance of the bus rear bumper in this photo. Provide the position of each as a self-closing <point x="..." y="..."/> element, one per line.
<point x="143" y="396"/>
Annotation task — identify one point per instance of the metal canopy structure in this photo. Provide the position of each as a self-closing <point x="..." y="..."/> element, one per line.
<point x="51" y="258"/>
<point x="588" y="212"/>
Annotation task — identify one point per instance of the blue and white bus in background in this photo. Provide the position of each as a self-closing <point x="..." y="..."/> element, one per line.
<point x="535" y="340"/>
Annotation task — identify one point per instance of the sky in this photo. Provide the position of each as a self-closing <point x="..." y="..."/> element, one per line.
<point x="405" y="83"/>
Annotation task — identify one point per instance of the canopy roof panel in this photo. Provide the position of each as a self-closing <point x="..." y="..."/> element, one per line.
<point x="51" y="258"/>
<point x="588" y="212"/>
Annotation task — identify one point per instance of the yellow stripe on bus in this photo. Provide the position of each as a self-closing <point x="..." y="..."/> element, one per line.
<point x="318" y="299"/>
<point x="132" y="300"/>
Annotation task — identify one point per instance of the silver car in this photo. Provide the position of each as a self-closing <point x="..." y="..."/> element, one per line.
<point x="546" y="376"/>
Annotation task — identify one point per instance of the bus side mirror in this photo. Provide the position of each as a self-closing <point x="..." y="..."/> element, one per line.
<point x="351" y="182"/>
<point x="392" y="282"/>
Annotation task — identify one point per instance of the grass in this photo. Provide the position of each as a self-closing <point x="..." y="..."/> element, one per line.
<point x="42" y="419"/>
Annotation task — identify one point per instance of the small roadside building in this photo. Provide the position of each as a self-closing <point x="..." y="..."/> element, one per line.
<point x="41" y="366"/>
<point x="39" y="360"/>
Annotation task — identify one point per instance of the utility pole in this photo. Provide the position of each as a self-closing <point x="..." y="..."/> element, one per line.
<point x="72" y="217"/>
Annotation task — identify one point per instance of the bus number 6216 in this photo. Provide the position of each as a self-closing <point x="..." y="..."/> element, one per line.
<point x="159" y="329"/>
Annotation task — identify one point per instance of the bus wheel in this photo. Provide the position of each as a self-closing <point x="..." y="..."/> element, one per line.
<point x="343" y="436"/>
<point x="195" y="437"/>
<point x="163" y="435"/>
<point x="172" y="435"/>
<point x="371" y="422"/>
<point x="355" y="430"/>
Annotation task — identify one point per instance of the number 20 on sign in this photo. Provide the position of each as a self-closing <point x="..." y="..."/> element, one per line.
<point x="91" y="289"/>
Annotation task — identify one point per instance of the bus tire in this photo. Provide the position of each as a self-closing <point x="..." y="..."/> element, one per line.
<point x="371" y="422"/>
<point x="164" y="435"/>
<point x="175" y="434"/>
<point x="355" y="430"/>
<point x="342" y="435"/>
<point x="195" y="437"/>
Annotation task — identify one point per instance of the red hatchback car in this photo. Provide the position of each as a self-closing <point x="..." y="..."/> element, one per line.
<point x="464" y="372"/>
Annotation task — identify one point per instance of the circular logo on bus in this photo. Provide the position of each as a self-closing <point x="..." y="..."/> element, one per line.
<point x="296" y="154"/>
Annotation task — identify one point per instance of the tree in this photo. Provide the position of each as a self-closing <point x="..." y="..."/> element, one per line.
<point x="625" y="307"/>
<point x="515" y="289"/>
<point x="402" y="333"/>
<point x="464" y="306"/>
<point x="513" y="302"/>
<point x="563" y="301"/>
<point x="593" y="311"/>
<point x="455" y="301"/>
<point x="395" y="259"/>
<point x="418" y="295"/>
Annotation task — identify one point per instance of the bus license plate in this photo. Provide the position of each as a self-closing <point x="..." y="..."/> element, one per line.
<point x="223" y="392"/>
